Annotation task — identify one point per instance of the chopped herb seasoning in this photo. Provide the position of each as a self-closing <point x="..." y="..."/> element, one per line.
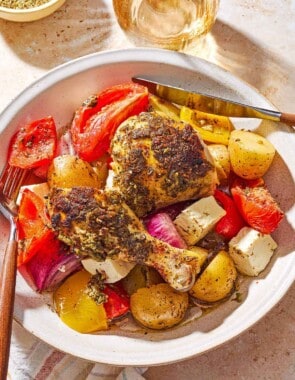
<point x="95" y="288"/>
<point x="22" y="4"/>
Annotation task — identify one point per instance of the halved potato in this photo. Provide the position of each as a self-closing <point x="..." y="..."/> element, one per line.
<point x="217" y="280"/>
<point x="68" y="171"/>
<point x="196" y="256"/>
<point x="250" y="154"/>
<point x="159" y="306"/>
<point x="221" y="159"/>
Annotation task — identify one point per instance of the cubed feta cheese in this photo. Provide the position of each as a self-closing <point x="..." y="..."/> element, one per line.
<point x="194" y="222"/>
<point x="251" y="251"/>
<point x="114" y="270"/>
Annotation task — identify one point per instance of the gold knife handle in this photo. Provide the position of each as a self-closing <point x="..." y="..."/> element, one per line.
<point x="288" y="118"/>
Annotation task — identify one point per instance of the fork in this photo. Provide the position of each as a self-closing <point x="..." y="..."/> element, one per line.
<point x="10" y="182"/>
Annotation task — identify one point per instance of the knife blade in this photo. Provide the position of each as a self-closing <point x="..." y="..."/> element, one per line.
<point x="211" y="104"/>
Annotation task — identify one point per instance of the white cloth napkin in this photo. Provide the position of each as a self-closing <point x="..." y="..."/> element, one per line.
<point x="32" y="359"/>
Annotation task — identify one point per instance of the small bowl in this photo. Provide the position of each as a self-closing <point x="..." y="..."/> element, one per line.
<point x="30" y="14"/>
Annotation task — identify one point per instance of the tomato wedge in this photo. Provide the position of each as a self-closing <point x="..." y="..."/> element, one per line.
<point x="32" y="227"/>
<point x="34" y="144"/>
<point x="95" y="103"/>
<point x="229" y="225"/>
<point x="95" y="123"/>
<point x="256" y="205"/>
<point x="118" y="301"/>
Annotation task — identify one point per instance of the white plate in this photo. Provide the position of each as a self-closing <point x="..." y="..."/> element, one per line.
<point x="59" y="93"/>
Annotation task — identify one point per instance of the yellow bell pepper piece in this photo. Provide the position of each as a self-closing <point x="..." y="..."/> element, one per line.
<point x="75" y="308"/>
<point x="164" y="107"/>
<point x="212" y="128"/>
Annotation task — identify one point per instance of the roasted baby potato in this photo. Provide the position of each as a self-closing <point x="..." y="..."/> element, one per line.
<point x="221" y="159"/>
<point x="159" y="306"/>
<point x="250" y="154"/>
<point x="217" y="280"/>
<point x="199" y="254"/>
<point x="70" y="171"/>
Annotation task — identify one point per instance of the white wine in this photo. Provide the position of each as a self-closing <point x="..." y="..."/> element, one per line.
<point x="171" y="24"/>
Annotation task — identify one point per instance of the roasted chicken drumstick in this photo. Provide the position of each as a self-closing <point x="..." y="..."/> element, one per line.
<point x="158" y="161"/>
<point x="97" y="223"/>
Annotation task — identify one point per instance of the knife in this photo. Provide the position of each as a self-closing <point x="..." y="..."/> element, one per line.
<point x="212" y="104"/>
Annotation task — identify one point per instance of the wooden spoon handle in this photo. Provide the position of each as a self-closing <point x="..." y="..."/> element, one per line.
<point x="7" y="291"/>
<point x="288" y="118"/>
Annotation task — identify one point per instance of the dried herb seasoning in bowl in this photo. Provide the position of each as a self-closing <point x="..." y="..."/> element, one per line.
<point x="22" y="4"/>
<point x="26" y="11"/>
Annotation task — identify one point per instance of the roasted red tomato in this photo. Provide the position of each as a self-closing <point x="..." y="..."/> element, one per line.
<point x="95" y="123"/>
<point x="256" y="205"/>
<point x="34" y="144"/>
<point x="95" y="103"/>
<point x="118" y="301"/>
<point x="229" y="225"/>
<point x="32" y="226"/>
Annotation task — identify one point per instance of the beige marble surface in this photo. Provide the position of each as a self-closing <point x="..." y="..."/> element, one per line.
<point x="253" y="39"/>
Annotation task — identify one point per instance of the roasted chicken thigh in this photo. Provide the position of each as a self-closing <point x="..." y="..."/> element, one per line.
<point x="158" y="161"/>
<point x="98" y="224"/>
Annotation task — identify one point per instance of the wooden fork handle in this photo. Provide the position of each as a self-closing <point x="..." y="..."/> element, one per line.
<point x="7" y="291"/>
<point x="288" y="118"/>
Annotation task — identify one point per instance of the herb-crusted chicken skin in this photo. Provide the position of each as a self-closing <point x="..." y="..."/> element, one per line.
<point x="99" y="224"/>
<point x="158" y="161"/>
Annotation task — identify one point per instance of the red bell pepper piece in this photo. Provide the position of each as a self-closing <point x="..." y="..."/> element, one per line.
<point x="231" y="223"/>
<point x="34" y="144"/>
<point x="32" y="226"/>
<point x="95" y="123"/>
<point x="118" y="302"/>
<point x="256" y="205"/>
